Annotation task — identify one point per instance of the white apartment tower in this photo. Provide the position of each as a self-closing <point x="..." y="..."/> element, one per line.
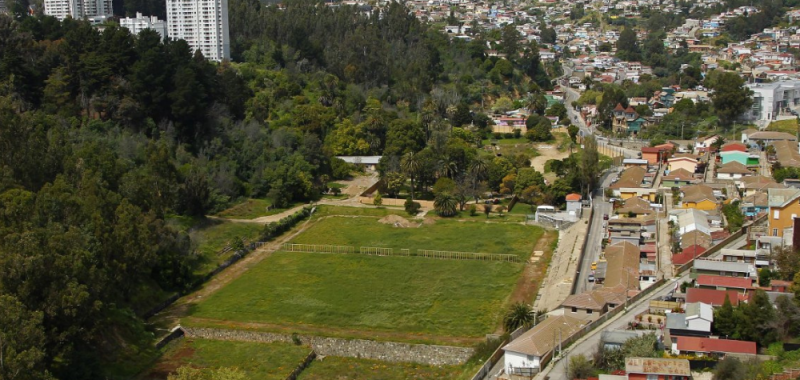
<point x="140" y="23"/>
<point x="203" y="24"/>
<point x="78" y="9"/>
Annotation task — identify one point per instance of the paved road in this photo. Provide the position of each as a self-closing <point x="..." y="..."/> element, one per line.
<point x="588" y="344"/>
<point x="594" y="237"/>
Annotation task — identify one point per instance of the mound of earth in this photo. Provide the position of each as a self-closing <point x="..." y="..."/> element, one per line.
<point x="397" y="221"/>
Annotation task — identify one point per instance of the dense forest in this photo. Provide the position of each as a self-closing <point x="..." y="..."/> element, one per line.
<point x="104" y="136"/>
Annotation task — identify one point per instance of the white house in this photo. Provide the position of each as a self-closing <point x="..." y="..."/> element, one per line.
<point x="529" y="353"/>
<point x="690" y="219"/>
<point x="696" y="321"/>
<point x="368" y="162"/>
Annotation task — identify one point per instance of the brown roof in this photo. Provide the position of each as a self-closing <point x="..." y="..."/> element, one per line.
<point x="696" y="237"/>
<point x="619" y="107"/>
<point x="757" y="199"/>
<point x="760" y="182"/>
<point x="733" y="167"/>
<point x="697" y="193"/>
<point x="623" y="266"/>
<point x="585" y="300"/>
<point x="770" y="135"/>
<point x="630" y="177"/>
<point x="539" y="341"/>
<point x="787" y="153"/>
<point x="680" y="175"/>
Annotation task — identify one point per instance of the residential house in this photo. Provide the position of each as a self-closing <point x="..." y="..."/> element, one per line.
<point x="506" y="124"/>
<point x="678" y="178"/>
<point x="631" y="183"/>
<point x="758" y="183"/>
<point x="718" y="348"/>
<point x="635" y="162"/>
<point x="754" y="205"/>
<point x="635" y="208"/>
<point x="682" y="162"/>
<point x="724" y="268"/>
<point x="696" y="321"/>
<point x="657" y="369"/>
<point x="587" y="305"/>
<point x="696" y="237"/>
<point x="528" y="354"/>
<point x="784" y="206"/>
<point x="712" y="297"/>
<point x="687" y="254"/>
<point x="739" y="284"/>
<point x="656" y="154"/>
<point x="752" y="137"/>
<point x="622" y="271"/>
<point x="688" y="220"/>
<point x="699" y="197"/>
<point x="742" y="157"/>
<point x="704" y="145"/>
<point x="786" y="153"/>
<point x="733" y="171"/>
<point x="759" y="257"/>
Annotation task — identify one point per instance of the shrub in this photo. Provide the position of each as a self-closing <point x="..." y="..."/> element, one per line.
<point x="412" y="208"/>
<point x="508" y="135"/>
<point x="472" y="210"/>
<point x="497" y="135"/>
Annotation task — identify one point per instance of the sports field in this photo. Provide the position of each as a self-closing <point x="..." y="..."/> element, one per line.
<point x="407" y="298"/>
<point x="444" y="235"/>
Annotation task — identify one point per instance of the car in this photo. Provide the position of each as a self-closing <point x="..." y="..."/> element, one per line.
<point x="594" y="265"/>
<point x="605" y="216"/>
<point x="591" y="278"/>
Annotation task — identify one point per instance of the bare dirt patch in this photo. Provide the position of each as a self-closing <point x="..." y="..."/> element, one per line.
<point x="396" y="221"/>
<point x="547" y="152"/>
<point x="534" y="272"/>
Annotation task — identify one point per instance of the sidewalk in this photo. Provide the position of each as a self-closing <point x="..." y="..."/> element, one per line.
<point x="557" y="286"/>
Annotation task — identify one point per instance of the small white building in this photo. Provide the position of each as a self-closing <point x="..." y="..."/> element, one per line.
<point x="140" y="23"/>
<point x="370" y="163"/>
<point x="528" y="354"/>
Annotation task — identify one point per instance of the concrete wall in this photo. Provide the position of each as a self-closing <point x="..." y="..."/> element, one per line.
<point x="354" y="348"/>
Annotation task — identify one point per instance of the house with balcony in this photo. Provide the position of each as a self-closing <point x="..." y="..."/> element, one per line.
<point x="784" y="207"/>
<point x="723" y="268"/>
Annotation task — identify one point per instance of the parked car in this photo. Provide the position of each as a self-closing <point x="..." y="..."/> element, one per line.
<point x="594" y="265"/>
<point x="591" y="278"/>
<point x="605" y="216"/>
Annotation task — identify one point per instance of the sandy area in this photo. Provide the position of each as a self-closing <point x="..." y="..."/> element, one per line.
<point x="547" y="152"/>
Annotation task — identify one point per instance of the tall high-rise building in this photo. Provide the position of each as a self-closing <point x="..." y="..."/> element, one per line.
<point x="203" y="24"/>
<point x="139" y="23"/>
<point x="78" y="9"/>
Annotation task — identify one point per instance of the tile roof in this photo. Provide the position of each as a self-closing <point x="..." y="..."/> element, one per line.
<point x="725" y="282"/>
<point x="539" y="341"/>
<point x="733" y="167"/>
<point x="696" y="237"/>
<point x="585" y="300"/>
<point x="787" y="154"/>
<point x="680" y="175"/>
<point x="698" y="193"/>
<point x="687" y="254"/>
<point x="630" y="177"/>
<point x="731" y="146"/>
<point x="623" y="266"/>
<point x="757" y="199"/>
<point x="708" y="345"/>
<point x="573" y="197"/>
<point x="650" y="366"/>
<point x="711" y="296"/>
<point x="770" y="135"/>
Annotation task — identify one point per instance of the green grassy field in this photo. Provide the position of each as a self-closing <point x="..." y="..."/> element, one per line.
<point x="313" y="293"/>
<point x="358" y="369"/>
<point x="327" y="210"/>
<point x="788" y="126"/>
<point x="211" y="236"/>
<point x="257" y="360"/>
<point x="251" y="209"/>
<point x="445" y="235"/>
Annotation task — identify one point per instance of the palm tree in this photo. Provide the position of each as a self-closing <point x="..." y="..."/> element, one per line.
<point x="410" y="166"/>
<point x="518" y="315"/>
<point x="478" y="170"/>
<point x="445" y="205"/>
<point x="446" y="168"/>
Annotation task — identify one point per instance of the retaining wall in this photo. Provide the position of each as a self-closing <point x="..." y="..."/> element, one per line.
<point x="353" y="348"/>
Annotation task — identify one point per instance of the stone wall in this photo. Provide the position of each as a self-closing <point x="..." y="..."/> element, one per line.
<point x="354" y="348"/>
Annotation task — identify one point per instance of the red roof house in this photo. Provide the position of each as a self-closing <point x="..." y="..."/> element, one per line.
<point x="687" y="254"/>
<point x="712" y="296"/>
<point x="697" y="345"/>
<point x="573" y="197"/>
<point x="734" y="146"/>
<point x="706" y="281"/>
